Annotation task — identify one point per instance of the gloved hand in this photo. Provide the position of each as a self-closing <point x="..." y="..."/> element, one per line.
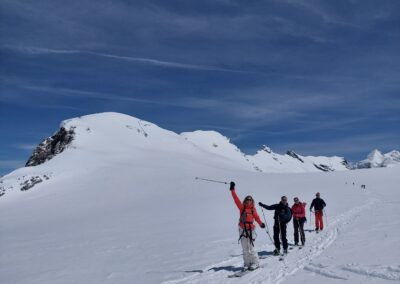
<point x="232" y="186"/>
<point x="259" y="203"/>
<point x="262" y="225"/>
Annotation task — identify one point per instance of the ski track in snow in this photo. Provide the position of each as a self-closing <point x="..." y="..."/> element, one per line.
<point x="324" y="271"/>
<point x="376" y="271"/>
<point x="372" y="271"/>
<point x="274" y="271"/>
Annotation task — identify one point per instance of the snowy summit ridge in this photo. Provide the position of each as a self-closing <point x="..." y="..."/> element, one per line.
<point x="112" y="131"/>
<point x="98" y="140"/>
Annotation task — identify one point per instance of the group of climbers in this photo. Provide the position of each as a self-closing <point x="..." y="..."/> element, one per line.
<point x="282" y="216"/>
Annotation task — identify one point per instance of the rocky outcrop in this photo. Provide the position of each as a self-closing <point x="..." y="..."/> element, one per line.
<point x="323" y="168"/>
<point x="51" y="146"/>
<point x="266" y="149"/>
<point x="294" y="155"/>
<point x="346" y="164"/>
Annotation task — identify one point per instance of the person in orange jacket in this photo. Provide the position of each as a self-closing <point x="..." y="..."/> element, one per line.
<point x="248" y="214"/>
<point x="299" y="218"/>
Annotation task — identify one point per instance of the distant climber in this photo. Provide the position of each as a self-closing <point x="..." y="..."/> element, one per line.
<point x="318" y="204"/>
<point x="282" y="216"/>
<point x="248" y="214"/>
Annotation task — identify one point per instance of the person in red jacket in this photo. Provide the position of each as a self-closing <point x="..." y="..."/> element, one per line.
<point x="299" y="218"/>
<point x="248" y="214"/>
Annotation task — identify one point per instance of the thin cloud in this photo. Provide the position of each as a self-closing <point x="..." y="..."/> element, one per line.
<point x="151" y="61"/>
<point x="101" y="96"/>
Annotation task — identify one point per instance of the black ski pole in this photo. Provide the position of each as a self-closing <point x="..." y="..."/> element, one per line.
<point x="266" y="226"/>
<point x="211" y="180"/>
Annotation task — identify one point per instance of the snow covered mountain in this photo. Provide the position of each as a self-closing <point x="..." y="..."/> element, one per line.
<point x="376" y="159"/>
<point x="113" y="199"/>
<point x="94" y="140"/>
<point x="268" y="161"/>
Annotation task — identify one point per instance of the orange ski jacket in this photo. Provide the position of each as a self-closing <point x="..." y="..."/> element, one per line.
<point x="247" y="213"/>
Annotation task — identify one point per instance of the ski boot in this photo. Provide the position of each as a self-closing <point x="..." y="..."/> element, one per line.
<point x="253" y="267"/>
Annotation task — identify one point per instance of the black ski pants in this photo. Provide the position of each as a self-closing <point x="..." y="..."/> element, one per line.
<point x="277" y="241"/>
<point x="298" y="224"/>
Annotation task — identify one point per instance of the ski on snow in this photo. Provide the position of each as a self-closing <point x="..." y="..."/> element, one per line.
<point x="242" y="273"/>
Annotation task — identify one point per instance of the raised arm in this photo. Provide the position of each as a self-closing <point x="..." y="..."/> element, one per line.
<point x="237" y="200"/>
<point x="268" y="207"/>
<point x="235" y="197"/>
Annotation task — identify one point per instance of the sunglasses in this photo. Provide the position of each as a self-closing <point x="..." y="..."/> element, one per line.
<point x="249" y="199"/>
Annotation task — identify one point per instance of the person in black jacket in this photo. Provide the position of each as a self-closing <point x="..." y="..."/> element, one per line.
<point x="282" y="216"/>
<point x="319" y="204"/>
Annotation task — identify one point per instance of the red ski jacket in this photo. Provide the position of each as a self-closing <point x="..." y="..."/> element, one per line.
<point x="247" y="213"/>
<point x="299" y="210"/>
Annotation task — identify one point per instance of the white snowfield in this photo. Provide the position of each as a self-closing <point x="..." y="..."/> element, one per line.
<point x="122" y="205"/>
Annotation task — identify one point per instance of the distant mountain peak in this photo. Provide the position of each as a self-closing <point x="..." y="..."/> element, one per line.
<point x="376" y="159"/>
<point x="267" y="149"/>
<point x="375" y="155"/>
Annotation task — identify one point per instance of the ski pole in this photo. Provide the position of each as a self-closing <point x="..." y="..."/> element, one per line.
<point x="326" y="216"/>
<point x="211" y="180"/>
<point x="309" y="224"/>
<point x="280" y="231"/>
<point x="266" y="226"/>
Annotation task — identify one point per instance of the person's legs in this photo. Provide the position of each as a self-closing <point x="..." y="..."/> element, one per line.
<point x="321" y="224"/>
<point x="316" y="221"/>
<point x="302" y="235"/>
<point x="254" y="263"/>
<point x="319" y="221"/>
<point x="284" y="239"/>
<point x="276" y="236"/>
<point x="296" y="230"/>
<point x="246" y="250"/>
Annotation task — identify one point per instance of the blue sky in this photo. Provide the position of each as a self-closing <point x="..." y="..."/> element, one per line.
<point x="318" y="77"/>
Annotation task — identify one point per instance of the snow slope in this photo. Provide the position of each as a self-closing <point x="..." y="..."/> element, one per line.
<point x="217" y="144"/>
<point x="121" y="205"/>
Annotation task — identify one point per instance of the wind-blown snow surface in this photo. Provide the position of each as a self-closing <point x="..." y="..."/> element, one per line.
<point x="130" y="211"/>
